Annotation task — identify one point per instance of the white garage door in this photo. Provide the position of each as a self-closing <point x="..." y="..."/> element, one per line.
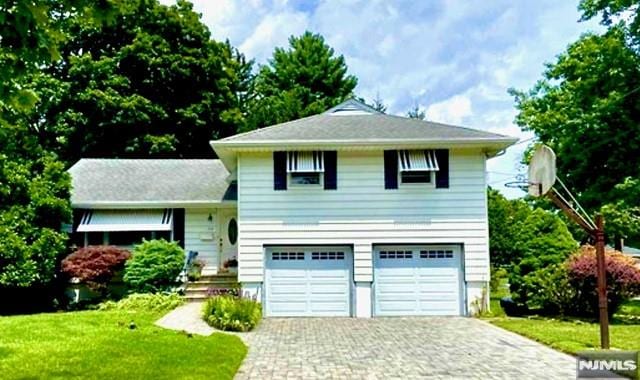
<point x="308" y="281"/>
<point x="417" y="280"/>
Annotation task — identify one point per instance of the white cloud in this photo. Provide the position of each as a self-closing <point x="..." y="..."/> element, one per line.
<point x="451" y="111"/>
<point x="273" y="30"/>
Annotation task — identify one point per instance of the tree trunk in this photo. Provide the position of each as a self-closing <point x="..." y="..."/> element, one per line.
<point x="618" y="243"/>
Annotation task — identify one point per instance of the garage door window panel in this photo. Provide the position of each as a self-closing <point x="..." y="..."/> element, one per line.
<point x="287" y="256"/>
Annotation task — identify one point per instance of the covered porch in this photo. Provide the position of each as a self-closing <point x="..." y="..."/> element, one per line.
<point x="211" y="232"/>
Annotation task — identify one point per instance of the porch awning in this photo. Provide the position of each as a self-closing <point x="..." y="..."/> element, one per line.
<point x="305" y="162"/>
<point x="417" y="160"/>
<point x="126" y="220"/>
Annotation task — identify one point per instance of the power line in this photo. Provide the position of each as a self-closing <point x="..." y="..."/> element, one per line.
<point x="524" y="141"/>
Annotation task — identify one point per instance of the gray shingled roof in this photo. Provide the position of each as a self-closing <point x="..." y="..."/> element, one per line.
<point x="105" y="182"/>
<point x="349" y="122"/>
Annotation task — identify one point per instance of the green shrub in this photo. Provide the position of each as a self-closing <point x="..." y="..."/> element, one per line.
<point x="232" y="313"/>
<point x="145" y="302"/>
<point x="154" y="267"/>
<point x="95" y="265"/>
<point x="498" y="276"/>
<point x="550" y="290"/>
<point x="544" y="240"/>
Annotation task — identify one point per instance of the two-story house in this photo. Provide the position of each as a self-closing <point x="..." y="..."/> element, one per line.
<point x="346" y="213"/>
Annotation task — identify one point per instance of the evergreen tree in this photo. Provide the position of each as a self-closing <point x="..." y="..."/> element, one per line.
<point x="303" y="80"/>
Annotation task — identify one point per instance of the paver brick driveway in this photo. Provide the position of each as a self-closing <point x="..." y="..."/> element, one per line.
<point x="402" y="348"/>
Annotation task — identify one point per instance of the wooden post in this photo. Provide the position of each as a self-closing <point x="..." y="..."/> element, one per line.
<point x="602" y="283"/>
<point x="598" y="235"/>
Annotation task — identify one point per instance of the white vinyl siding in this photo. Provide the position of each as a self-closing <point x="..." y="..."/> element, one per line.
<point x="199" y="235"/>
<point x="361" y="212"/>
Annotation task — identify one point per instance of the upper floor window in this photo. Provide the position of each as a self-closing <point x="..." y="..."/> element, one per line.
<point x="417" y="166"/>
<point x="305" y="168"/>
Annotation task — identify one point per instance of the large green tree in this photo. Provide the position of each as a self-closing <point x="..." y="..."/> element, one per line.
<point x="151" y="83"/>
<point x="34" y="186"/>
<point x="525" y="240"/>
<point x="587" y="108"/>
<point x="505" y="220"/>
<point x="303" y="80"/>
<point x="623" y="215"/>
<point x="31" y="33"/>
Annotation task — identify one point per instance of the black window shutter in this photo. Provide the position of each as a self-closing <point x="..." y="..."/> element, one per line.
<point x="330" y="170"/>
<point x="178" y="226"/>
<point x="390" y="169"/>
<point x="279" y="170"/>
<point x="442" y="175"/>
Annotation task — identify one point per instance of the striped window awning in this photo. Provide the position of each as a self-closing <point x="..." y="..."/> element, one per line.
<point x="126" y="220"/>
<point x="305" y="162"/>
<point x="417" y="160"/>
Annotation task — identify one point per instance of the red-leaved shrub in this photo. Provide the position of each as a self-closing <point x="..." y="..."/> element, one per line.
<point x="95" y="265"/>
<point x="623" y="279"/>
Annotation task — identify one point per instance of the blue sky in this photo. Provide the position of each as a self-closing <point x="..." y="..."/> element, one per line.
<point x="455" y="59"/>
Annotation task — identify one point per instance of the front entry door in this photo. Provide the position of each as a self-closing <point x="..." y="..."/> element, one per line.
<point x="228" y="239"/>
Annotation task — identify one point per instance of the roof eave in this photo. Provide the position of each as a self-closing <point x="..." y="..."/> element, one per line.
<point x="151" y="204"/>
<point x="365" y="143"/>
<point x="227" y="149"/>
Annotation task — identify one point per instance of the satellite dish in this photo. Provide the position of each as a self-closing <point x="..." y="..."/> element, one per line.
<point x="542" y="171"/>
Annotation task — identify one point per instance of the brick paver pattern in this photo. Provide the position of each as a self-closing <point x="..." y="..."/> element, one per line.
<point x="396" y="348"/>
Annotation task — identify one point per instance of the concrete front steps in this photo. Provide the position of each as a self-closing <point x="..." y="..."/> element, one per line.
<point x="196" y="291"/>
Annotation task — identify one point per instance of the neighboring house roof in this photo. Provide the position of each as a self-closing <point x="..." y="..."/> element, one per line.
<point x="353" y="124"/>
<point x="115" y="183"/>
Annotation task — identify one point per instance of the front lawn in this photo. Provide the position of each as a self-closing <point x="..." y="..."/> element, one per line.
<point x="568" y="334"/>
<point x="571" y="336"/>
<point x="101" y="345"/>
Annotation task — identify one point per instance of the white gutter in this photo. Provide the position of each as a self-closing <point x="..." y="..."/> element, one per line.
<point x="362" y="143"/>
<point x="152" y="204"/>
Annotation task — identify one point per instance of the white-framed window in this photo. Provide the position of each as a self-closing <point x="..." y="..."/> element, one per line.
<point x="417" y="166"/>
<point x="305" y="168"/>
<point x="305" y="178"/>
<point x="416" y="177"/>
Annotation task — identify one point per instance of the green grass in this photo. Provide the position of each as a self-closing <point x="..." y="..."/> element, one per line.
<point x="571" y="336"/>
<point x="567" y="334"/>
<point x="100" y="345"/>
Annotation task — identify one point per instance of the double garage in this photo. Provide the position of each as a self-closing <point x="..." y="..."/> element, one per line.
<point x="408" y="280"/>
